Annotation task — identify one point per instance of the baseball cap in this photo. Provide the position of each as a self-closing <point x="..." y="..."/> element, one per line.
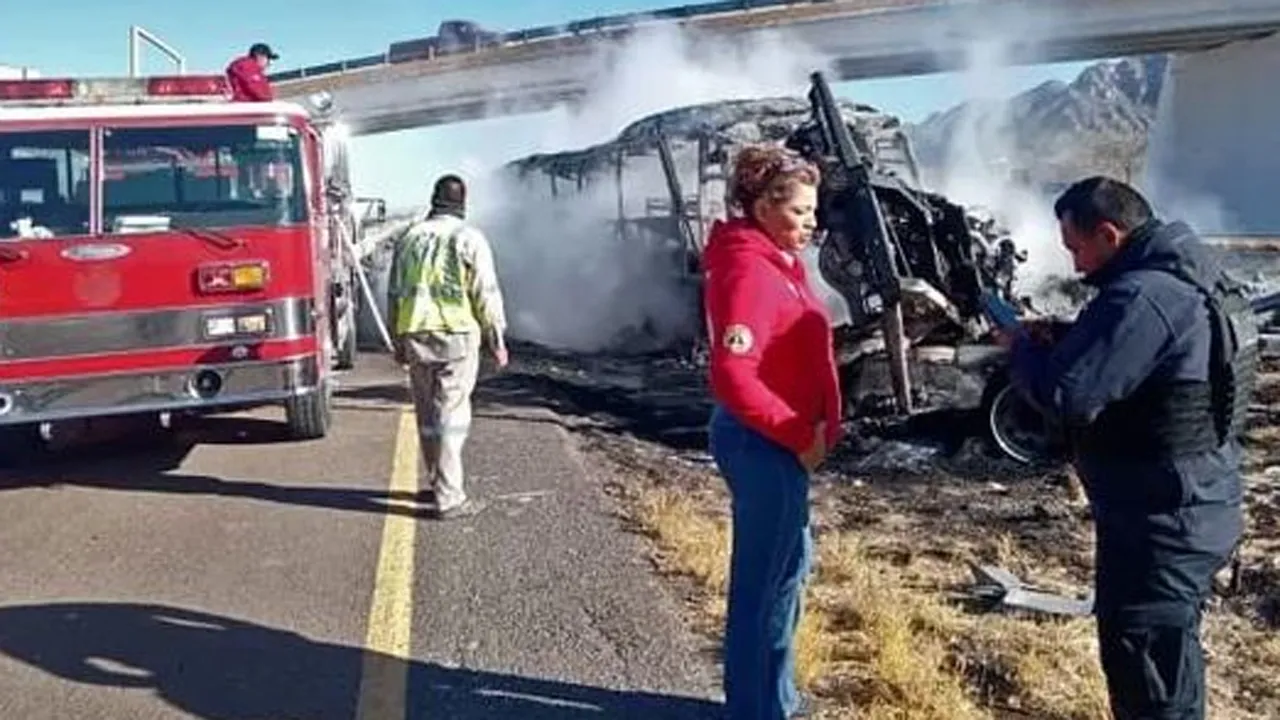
<point x="263" y="49"/>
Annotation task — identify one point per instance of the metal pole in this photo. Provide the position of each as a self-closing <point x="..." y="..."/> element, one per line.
<point x="137" y="34"/>
<point x="895" y="345"/>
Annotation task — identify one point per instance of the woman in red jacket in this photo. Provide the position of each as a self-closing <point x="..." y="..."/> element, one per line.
<point x="777" y="413"/>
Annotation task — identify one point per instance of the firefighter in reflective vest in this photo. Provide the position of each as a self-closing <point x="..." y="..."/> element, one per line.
<point x="444" y="302"/>
<point x="1152" y="386"/>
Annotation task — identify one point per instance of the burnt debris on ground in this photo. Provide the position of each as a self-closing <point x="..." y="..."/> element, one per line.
<point x="664" y="398"/>
<point x="933" y="474"/>
<point x="657" y="397"/>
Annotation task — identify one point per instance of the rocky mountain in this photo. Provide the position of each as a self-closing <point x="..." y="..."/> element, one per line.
<point x="1054" y="132"/>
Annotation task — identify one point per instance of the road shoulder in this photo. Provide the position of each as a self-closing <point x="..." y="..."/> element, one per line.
<point x="546" y="598"/>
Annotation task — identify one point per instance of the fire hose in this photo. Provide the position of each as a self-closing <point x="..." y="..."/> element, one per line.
<point x="354" y="252"/>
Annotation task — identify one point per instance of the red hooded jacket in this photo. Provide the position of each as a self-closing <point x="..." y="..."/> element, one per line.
<point x="772" y="361"/>
<point x="248" y="82"/>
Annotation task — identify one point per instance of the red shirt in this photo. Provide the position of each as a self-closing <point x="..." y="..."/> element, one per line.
<point x="248" y="82"/>
<point x="772" y="361"/>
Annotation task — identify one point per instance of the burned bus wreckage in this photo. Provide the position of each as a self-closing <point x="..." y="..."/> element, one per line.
<point x="901" y="268"/>
<point x="911" y="267"/>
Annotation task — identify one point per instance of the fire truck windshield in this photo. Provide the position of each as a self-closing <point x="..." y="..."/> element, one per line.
<point x="44" y="183"/>
<point x="202" y="177"/>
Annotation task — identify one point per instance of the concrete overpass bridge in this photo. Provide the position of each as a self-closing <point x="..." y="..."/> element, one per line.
<point x="536" y="69"/>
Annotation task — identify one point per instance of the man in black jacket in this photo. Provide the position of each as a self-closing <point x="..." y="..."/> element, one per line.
<point x="1151" y="385"/>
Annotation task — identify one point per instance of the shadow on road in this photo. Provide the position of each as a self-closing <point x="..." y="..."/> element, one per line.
<point x="218" y="667"/>
<point x="391" y="392"/>
<point x="146" y="463"/>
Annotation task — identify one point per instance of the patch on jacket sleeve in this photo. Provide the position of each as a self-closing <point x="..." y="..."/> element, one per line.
<point x="738" y="339"/>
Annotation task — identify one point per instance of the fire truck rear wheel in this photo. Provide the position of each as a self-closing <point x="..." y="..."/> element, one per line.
<point x="309" y="416"/>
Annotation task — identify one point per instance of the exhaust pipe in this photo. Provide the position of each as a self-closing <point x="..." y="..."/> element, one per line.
<point x="6" y="403"/>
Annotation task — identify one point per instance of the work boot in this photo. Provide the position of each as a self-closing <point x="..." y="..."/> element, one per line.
<point x="468" y="508"/>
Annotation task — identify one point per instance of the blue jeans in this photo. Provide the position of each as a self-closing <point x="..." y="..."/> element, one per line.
<point x="772" y="552"/>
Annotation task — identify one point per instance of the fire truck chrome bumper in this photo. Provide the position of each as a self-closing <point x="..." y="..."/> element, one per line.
<point x="193" y="388"/>
<point x="131" y="331"/>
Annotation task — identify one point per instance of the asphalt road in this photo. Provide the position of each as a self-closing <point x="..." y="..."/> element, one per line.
<point x="225" y="573"/>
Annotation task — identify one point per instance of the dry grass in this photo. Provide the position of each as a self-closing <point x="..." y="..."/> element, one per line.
<point x="1249" y="690"/>
<point x="877" y="644"/>
<point x="886" y="633"/>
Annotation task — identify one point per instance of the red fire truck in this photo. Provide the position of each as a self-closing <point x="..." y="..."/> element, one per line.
<point x="165" y="250"/>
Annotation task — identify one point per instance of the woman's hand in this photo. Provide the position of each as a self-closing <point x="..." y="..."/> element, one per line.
<point x="817" y="451"/>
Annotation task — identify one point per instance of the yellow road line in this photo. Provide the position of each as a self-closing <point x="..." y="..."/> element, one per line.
<point x="384" y="672"/>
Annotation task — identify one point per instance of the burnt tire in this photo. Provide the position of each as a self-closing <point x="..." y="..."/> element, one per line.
<point x="309" y="416"/>
<point x="1015" y="428"/>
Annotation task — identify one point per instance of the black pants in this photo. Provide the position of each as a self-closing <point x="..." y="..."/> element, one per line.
<point x="1152" y="586"/>
<point x="1154" y="664"/>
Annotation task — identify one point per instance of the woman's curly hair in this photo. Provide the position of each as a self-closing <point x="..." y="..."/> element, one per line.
<point x="766" y="170"/>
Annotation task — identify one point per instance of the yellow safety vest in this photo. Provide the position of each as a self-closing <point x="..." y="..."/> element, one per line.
<point x="433" y="281"/>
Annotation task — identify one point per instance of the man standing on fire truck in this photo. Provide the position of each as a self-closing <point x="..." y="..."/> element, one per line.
<point x="247" y="75"/>
<point x="443" y="302"/>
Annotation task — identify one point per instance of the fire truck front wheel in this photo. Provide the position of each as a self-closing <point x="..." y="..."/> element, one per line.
<point x="308" y="416"/>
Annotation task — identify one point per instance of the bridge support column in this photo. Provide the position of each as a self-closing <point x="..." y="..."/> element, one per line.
<point x="1214" y="152"/>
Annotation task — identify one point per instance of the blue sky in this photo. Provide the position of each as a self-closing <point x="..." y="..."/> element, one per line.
<point x="90" y="37"/>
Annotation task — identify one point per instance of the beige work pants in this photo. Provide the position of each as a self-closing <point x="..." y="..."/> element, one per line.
<point x="442" y="375"/>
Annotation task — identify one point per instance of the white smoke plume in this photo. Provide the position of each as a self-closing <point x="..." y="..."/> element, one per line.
<point x="664" y="66"/>
<point x="1186" y="170"/>
<point x="982" y="155"/>
<point x="570" y="282"/>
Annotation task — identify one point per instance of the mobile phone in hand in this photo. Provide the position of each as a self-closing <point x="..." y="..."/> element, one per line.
<point x="1001" y="313"/>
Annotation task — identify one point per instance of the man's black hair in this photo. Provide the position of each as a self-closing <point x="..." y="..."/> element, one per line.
<point x="449" y="193"/>
<point x="264" y="50"/>
<point x="1095" y="200"/>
